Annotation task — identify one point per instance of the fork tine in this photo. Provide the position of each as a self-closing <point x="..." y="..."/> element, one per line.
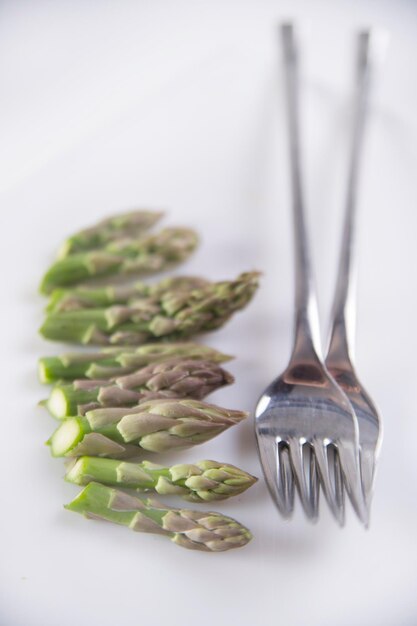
<point x="314" y="483"/>
<point x="285" y="477"/>
<point x="367" y="459"/>
<point x="349" y="461"/>
<point x="278" y="474"/>
<point x="335" y="471"/>
<point x="307" y="487"/>
<point x="332" y="494"/>
<point x="338" y="482"/>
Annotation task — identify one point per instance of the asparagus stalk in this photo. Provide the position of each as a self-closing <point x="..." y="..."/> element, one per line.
<point x="100" y="297"/>
<point x="196" y="530"/>
<point x="156" y="425"/>
<point x="204" y="481"/>
<point x="171" y="379"/>
<point x="130" y="224"/>
<point x="144" y="255"/>
<point x="174" y="315"/>
<point x="113" y="362"/>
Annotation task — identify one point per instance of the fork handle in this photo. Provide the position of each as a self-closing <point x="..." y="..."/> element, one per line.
<point x="370" y="48"/>
<point x="307" y="335"/>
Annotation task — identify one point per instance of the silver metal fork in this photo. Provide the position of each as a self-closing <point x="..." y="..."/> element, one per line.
<point x="305" y="425"/>
<point x="339" y="360"/>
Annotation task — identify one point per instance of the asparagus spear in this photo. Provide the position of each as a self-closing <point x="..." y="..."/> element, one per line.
<point x="112" y="362"/>
<point x="171" y="379"/>
<point x="130" y="224"/>
<point x="196" y="530"/>
<point x="175" y="315"/>
<point x="156" y="425"/>
<point x="99" y="297"/>
<point x="204" y="481"/>
<point x="144" y="255"/>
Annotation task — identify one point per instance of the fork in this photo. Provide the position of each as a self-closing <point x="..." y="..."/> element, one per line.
<point x="339" y="360"/>
<point x="304" y="423"/>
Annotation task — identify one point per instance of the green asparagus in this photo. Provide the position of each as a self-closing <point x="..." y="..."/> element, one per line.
<point x="196" y="530"/>
<point x="130" y="224"/>
<point x="176" y="378"/>
<point x="156" y="425"/>
<point x="174" y="315"/>
<point x="144" y="255"/>
<point x="204" y="481"/>
<point x="100" y="297"/>
<point x="113" y="362"/>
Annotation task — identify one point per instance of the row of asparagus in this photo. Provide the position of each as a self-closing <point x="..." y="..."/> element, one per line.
<point x="133" y="396"/>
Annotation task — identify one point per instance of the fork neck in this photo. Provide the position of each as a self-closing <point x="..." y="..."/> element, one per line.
<point x="307" y="344"/>
<point x="307" y="336"/>
<point x="343" y="315"/>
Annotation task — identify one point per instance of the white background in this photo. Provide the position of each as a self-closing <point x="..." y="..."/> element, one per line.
<point x="107" y="106"/>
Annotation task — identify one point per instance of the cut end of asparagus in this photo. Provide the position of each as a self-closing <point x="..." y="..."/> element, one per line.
<point x="66" y="437"/>
<point x="81" y="501"/>
<point x="76" y="472"/>
<point x="43" y="372"/>
<point x="44" y="286"/>
<point x="73" y="269"/>
<point x="58" y="404"/>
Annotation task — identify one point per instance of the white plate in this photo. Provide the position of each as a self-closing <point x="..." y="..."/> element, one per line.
<point x="108" y="106"/>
